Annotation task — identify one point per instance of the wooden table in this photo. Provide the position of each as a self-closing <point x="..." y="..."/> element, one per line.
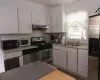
<point x="57" y="75"/>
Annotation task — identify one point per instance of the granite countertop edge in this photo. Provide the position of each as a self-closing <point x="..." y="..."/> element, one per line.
<point x="76" y="47"/>
<point x="19" y="49"/>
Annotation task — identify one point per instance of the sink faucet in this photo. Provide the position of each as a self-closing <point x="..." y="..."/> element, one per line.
<point x="77" y="43"/>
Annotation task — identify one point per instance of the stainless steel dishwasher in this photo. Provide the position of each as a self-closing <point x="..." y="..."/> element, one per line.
<point x="30" y="55"/>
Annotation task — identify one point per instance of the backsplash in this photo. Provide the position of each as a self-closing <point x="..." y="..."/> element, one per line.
<point x="19" y="36"/>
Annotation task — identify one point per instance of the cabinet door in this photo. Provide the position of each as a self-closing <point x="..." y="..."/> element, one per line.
<point x="59" y="19"/>
<point x="35" y="18"/>
<point x="54" y="23"/>
<point x="72" y="62"/>
<point x="13" y="54"/>
<point x="8" y="20"/>
<point x="25" y="22"/>
<point x="39" y="17"/>
<point x="60" y="58"/>
<point x="83" y="57"/>
<point x="59" y="24"/>
<point x="42" y="17"/>
<point x="83" y="71"/>
<point x="54" y="20"/>
<point x="12" y="63"/>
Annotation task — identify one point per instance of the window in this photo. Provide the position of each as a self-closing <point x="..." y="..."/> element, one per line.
<point x="77" y="25"/>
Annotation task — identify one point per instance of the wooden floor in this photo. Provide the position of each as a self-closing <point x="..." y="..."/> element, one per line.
<point x="74" y="76"/>
<point x="57" y="75"/>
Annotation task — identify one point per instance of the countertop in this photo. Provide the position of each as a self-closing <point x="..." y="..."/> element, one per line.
<point x="19" y="49"/>
<point x="33" y="71"/>
<point x="68" y="46"/>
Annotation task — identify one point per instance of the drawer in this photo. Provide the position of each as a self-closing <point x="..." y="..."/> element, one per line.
<point x="72" y="50"/>
<point x="13" y="54"/>
<point x="81" y="51"/>
<point x="83" y="71"/>
<point x="60" y="48"/>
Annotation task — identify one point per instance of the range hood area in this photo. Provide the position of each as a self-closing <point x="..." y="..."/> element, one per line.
<point x="39" y="27"/>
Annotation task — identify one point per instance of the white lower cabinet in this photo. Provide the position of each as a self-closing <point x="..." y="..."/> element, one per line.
<point x="60" y="58"/>
<point x="72" y="62"/>
<point x="13" y="54"/>
<point x="13" y="60"/>
<point x="83" y="71"/>
<point x="83" y="63"/>
<point x="72" y="59"/>
<point x="83" y="57"/>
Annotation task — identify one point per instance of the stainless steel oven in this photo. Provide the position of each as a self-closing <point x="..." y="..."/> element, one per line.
<point x="30" y="55"/>
<point x="45" y="55"/>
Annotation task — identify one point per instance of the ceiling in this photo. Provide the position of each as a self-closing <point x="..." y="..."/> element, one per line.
<point x="52" y="3"/>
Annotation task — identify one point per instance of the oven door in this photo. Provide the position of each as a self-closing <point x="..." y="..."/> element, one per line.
<point x="45" y="55"/>
<point x="30" y="55"/>
<point x="29" y="58"/>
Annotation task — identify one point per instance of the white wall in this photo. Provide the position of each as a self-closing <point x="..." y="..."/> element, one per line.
<point x="89" y="5"/>
<point x="22" y="4"/>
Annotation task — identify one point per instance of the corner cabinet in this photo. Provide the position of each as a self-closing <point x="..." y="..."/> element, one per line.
<point x="25" y="21"/>
<point x="8" y="20"/>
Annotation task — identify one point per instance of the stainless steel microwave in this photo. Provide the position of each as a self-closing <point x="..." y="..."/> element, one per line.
<point x="25" y="42"/>
<point x="9" y="44"/>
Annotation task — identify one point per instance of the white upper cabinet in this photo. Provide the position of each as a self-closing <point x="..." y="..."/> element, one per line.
<point x="39" y="16"/>
<point x="25" y="21"/>
<point x="48" y="19"/>
<point x="54" y="20"/>
<point x="57" y="19"/>
<point x="8" y="20"/>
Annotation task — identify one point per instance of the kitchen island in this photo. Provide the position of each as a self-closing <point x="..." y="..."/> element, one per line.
<point x="34" y="71"/>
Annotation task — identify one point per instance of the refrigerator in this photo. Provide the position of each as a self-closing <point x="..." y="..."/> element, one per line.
<point x="94" y="47"/>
